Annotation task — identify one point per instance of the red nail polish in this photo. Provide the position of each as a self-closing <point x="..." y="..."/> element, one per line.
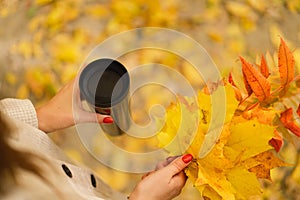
<point x="108" y="120"/>
<point x="187" y="158"/>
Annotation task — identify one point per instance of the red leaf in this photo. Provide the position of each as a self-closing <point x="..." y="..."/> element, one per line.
<point x="258" y="83"/>
<point x="287" y="120"/>
<point x="264" y="70"/>
<point x="286" y="116"/>
<point x="276" y="141"/>
<point x="298" y="110"/>
<point x="230" y="80"/>
<point x="286" y="64"/>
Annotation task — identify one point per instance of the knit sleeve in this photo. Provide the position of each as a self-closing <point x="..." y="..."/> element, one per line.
<point x="21" y="109"/>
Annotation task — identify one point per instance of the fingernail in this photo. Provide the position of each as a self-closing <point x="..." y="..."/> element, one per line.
<point x="108" y="120"/>
<point x="187" y="158"/>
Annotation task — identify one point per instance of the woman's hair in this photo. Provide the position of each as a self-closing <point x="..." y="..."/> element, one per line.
<point x="12" y="160"/>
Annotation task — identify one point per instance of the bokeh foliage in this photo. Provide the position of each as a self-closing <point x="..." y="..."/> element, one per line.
<point x="44" y="42"/>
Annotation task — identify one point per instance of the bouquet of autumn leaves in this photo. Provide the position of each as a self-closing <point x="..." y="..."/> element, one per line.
<point x="252" y="132"/>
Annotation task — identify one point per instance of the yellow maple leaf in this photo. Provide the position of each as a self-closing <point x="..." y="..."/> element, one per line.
<point x="248" y="139"/>
<point x="262" y="163"/>
<point x="244" y="183"/>
<point x="212" y="169"/>
<point x="218" y="106"/>
<point x="231" y="169"/>
<point x="178" y="132"/>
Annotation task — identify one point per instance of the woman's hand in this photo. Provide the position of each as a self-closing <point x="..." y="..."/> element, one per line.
<point x="165" y="183"/>
<point x="58" y="113"/>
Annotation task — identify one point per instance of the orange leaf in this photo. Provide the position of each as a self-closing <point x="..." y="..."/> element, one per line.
<point x="247" y="85"/>
<point x="286" y="64"/>
<point x="258" y="83"/>
<point x="287" y="120"/>
<point x="276" y="141"/>
<point x="264" y="70"/>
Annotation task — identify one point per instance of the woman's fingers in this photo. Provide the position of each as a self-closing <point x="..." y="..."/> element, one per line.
<point x="179" y="179"/>
<point x="145" y="175"/>
<point x="178" y="164"/>
<point x="166" y="162"/>
<point x="95" y="117"/>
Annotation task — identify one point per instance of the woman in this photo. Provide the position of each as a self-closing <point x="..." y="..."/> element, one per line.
<point x="32" y="167"/>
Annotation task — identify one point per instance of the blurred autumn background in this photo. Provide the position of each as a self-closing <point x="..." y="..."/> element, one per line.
<point x="44" y="42"/>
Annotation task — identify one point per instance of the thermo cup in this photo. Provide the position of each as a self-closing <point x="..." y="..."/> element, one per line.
<point x="104" y="85"/>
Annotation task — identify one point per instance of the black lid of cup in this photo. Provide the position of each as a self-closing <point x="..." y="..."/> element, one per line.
<point x="104" y="82"/>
